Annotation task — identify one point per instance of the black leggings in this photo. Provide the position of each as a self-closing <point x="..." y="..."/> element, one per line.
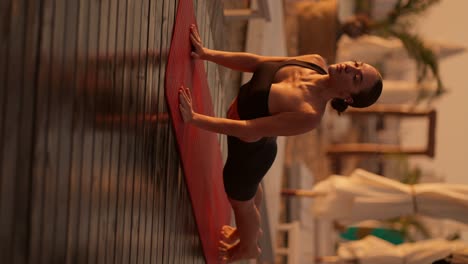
<point x="246" y="165"/>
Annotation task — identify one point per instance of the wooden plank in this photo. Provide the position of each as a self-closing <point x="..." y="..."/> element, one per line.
<point x="372" y="149"/>
<point x="97" y="176"/>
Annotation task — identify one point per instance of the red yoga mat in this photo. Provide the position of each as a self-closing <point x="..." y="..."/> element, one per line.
<point x="199" y="150"/>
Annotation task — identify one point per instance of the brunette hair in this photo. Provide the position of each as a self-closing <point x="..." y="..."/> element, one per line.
<point x="361" y="99"/>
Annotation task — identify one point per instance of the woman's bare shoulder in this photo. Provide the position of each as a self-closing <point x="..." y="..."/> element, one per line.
<point x="313" y="58"/>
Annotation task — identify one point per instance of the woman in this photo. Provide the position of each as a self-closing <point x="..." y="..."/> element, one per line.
<point x="286" y="96"/>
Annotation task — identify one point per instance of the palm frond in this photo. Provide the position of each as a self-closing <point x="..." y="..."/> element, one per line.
<point x="405" y="9"/>
<point x="426" y="60"/>
<point x="396" y="24"/>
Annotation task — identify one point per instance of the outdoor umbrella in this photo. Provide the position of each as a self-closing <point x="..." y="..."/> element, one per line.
<point x="371" y="250"/>
<point x="365" y="195"/>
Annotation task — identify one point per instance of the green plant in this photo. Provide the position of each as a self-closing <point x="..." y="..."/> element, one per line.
<point x="398" y="24"/>
<point x="404" y="225"/>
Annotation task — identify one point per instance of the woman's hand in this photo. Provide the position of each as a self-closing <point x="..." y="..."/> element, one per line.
<point x="199" y="52"/>
<point x="185" y="104"/>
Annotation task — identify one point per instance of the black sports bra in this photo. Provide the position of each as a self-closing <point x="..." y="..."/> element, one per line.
<point x="252" y="100"/>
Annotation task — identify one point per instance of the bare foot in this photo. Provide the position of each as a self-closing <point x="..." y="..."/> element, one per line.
<point x="230" y="248"/>
<point x="224" y="249"/>
<point x="229" y="234"/>
<point x="239" y="252"/>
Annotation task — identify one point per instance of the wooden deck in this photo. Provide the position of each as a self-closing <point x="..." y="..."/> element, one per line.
<point x="89" y="167"/>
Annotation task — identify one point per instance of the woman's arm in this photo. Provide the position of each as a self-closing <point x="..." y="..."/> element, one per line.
<point x="240" y="61"/>
<point x="283" y="124"/>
